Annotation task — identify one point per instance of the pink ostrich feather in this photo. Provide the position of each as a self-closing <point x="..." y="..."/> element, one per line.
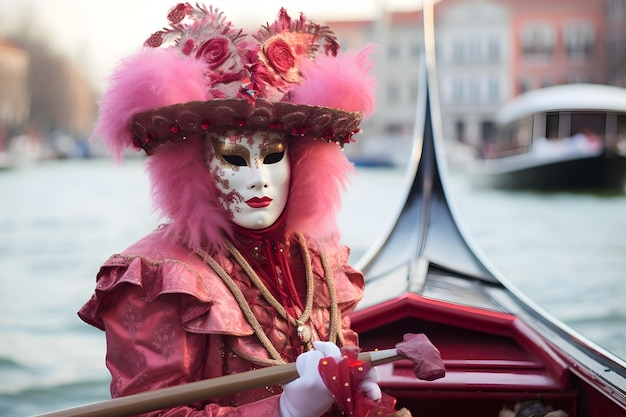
<point x="184" y="191"/>
<point x="150" y="79"/>
<point x="342" y="82"/>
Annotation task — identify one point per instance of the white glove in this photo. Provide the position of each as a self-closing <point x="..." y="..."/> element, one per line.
<point x="307" y="395"/>
<point x="369" y="385"/>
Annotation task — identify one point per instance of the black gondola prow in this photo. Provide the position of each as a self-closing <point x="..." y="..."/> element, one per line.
<point x="425" y="240"/>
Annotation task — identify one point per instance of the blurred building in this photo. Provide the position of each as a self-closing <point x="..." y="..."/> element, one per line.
<point x="398" y="39"/>
<point x="488" y="51"/>
<point x="47" y="106"/>
<point x="557" y="42"/>
<point x="615" y="42"/>
<point x="81" y="95"/>
<point x="14" y="91"/>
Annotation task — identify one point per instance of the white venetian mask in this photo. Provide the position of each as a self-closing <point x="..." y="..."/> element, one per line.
<point x="252" y="173"/>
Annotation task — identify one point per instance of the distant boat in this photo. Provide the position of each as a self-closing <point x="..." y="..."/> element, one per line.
<point x="371" y="162"/>
<point x="562" y="137"/>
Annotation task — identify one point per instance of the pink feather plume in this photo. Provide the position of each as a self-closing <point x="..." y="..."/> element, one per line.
<point x="149" y="79"/>
<point x="348" y="76"/>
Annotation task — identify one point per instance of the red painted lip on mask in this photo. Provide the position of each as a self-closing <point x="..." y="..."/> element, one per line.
<point x="256" y="202"/>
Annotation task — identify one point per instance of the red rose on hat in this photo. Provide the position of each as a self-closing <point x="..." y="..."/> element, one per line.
<point x="215" y="51"/>
<point x="279" y="56"/>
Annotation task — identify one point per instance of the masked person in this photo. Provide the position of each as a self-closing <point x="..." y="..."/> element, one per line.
<point x="244" y="138"/>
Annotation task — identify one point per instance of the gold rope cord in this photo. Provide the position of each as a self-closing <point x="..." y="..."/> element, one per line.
<point x="334" y="325"/>
<point x="243" y="304"/>
<point x="334" y="328"/>
<point x="268" y="295"/>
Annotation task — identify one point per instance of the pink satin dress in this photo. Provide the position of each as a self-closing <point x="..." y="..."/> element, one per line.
<point x="170" y="319"/>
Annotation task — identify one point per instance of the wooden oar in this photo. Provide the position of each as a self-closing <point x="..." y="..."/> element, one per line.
<point x="201" y="390"/>
<point x="229" y="384"/>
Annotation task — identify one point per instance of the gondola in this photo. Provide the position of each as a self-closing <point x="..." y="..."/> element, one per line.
<point x="498" y="347"/>
<point x="569" y="136"/>
<point x="425" y="276"/>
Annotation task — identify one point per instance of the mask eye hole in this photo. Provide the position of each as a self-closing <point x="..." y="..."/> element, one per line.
<point x="274" y="157"/>
<point x="235" y="160"/>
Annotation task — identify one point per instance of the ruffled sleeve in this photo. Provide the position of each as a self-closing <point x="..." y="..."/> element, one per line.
<point x="166" y="315"/>
<point x="148" y="349"/>
<point x="159" y="267"/>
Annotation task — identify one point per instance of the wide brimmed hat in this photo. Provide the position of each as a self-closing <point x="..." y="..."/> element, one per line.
<point x="180" y="121"/>
<point x="202" y="74"/>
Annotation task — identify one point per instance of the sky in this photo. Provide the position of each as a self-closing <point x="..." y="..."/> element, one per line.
<point x="98" y="33"/>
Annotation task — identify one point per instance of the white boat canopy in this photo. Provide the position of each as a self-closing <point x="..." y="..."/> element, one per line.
<point x="567" y="97"/>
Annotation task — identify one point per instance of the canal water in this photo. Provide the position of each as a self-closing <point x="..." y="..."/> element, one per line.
<point x="59" y="220"/>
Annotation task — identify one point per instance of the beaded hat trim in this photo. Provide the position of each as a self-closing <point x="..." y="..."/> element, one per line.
<point x="178" y="122"/>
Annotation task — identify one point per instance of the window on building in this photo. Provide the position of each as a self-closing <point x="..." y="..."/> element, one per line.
<point x="474" y="50"/>
<point x="459" y="130"/>
<point x="474" y="90"/>
<point x="457" y="91"/>
<point x="493" y="50"/>
<point x="458" y="52"/>
<point x="395" y="129"/>
<point x="416" y="51"/>
<point x="538" y="41"/>
<point x="615" y="10"/>
<point x="488" y="130"/>
<point x="615" y="46"/>
<point x="493" y="91"/>
<point x="394" y="51"/>
<point x="578" y="38"/>
<point x="413" y="86"/>
<point x="525" y="85"/>
<point x="577" y="78"/>
<point x="393" y="94"/>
